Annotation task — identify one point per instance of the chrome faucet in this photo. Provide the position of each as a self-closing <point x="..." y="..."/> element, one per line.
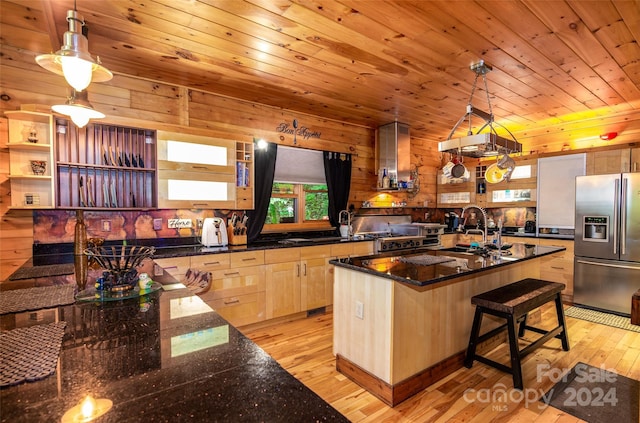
<point x="484" y="217"/>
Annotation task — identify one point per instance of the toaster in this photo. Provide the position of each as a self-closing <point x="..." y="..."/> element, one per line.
<point x="214" y="232"/>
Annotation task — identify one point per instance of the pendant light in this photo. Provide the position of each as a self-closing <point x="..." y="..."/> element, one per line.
<point x="73" y="60"/>
<point x="78" y="108"/>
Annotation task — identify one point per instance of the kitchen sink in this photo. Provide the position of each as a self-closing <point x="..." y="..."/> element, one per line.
<point x="458" y="250"/>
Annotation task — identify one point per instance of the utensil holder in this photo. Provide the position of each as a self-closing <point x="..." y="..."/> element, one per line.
<point x="236" y="239"/>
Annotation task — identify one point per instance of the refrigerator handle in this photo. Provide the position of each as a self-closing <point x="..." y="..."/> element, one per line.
<point x="616" y="216"/>
<point x="623" y="217"/>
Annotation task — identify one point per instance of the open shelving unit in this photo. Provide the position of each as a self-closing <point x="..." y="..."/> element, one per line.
<point x="30" y="141"/>
<point x="105" y="167"/>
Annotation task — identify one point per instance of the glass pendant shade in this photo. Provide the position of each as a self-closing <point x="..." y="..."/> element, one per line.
<point x="78" y="109"/>
<point x="73" y="60"/>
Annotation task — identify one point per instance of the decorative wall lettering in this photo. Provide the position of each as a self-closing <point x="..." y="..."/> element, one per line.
<point x="301" y="131"/>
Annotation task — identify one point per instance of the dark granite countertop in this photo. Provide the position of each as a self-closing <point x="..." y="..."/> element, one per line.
<point x="164" y="357"/>
<point x="57" y="259"/>
<point x="406" y="267"/>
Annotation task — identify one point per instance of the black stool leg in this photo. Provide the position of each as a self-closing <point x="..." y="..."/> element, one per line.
<point x="522" y="326"/>
<point x="564" y="337"/>
<point x="514" y="350"/>
<point x="473" y="338"/>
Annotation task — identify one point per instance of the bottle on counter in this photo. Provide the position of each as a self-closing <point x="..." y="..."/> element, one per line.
<point x="385" y="180"/>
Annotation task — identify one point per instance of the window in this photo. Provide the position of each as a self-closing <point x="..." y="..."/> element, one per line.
<point x="299" y="197"/>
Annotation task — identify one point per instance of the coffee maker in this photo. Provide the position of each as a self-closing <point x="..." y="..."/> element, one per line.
<point x="451" y="219"/>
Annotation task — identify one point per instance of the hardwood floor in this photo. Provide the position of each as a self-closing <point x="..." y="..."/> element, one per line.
<point x="304" y="348"/>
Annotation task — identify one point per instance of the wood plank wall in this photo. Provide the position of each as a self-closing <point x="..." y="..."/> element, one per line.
<point x="156" y="105"/>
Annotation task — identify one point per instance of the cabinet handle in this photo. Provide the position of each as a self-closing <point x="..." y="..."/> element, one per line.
<point x="305" y="269"/>
<point x="200" y="167"/>
<point x="233" y="301"/>
<point x="298" y="267"/>
<point x="170" y="267"/>
<point x="211" y="262"/>
<point x="557" y="267"/>
<point x="200" y="204"/>
<point x="232" y="273"/>
<point x="248" y="259"/>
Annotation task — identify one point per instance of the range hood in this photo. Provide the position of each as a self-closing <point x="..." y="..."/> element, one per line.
<point x="393" y="149"/>
<point x="480" y="145"/>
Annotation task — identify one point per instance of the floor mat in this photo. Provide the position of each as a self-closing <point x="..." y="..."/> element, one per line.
<point x="29" y="354"/>
<point x="596" y="395"/>
<point x="601" y="317"/>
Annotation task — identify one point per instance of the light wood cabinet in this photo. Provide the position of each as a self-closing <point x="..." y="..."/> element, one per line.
<point x="635" y="160"/>
<point x="244" y="176"/>
<point x="203" y="172"/>
<point x="558" y="267"/>
<point x="174" y="266"/>
<point x="238" y="294"/>
<point x="316" y="282"/>
<point x="237" y="290"/>
<point x="283" y="282"/>
<point x="609" y="161"/>
<point x="31" y="164"/>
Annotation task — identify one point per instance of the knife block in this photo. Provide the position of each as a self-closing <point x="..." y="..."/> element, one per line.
<point x="236" y="239"/>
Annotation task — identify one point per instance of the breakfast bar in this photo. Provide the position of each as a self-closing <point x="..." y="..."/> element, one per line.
<point x="402" y="321"/>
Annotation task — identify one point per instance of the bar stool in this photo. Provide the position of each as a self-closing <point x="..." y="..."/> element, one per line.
<point x="513" y="302"/>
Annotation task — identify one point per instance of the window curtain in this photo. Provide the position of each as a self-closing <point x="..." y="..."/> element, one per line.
<point x="337" y="171"/>
<point x="265" y="166"/>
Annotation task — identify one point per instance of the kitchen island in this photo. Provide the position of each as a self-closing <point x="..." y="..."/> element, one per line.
<point x="165" y="356"/>
<point x="402" y="321"/>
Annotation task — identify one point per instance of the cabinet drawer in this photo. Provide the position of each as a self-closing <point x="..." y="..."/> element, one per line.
<point x="175" y="266"/>
<point x="318" y="251"/>
<point x="242" y="309"/>
<point x="248" y="258"/>
<point x="362" y="248"/>
<point x="342" y="250"/>
<point x="282" y="255"/>
<point x="210" y="262"/>
<point x="233" y="282"/>
<point x="244" y="198"/>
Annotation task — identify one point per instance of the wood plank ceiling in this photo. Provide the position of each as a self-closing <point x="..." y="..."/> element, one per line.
<point x="370" y="62"/>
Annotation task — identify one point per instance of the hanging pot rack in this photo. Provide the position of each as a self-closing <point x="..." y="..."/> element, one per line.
<point x="480" y="144"/>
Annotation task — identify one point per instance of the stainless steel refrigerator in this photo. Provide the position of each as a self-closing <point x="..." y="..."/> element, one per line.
<point x="607" y="241"/>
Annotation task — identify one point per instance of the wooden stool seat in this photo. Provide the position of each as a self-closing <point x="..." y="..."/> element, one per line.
<point x="513" y="302"/>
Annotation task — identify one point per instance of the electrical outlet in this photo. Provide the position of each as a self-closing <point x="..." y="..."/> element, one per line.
<point x="157" y="270"/>
<point x="199" y="223"/>
<point x="359" y="310"/>
<point x="157" y="224"/>
<point x="106" y="225"/>
<point x="179" y="223"/>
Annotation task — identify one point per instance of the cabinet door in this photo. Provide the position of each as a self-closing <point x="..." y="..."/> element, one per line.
<point x="635" y="160"/>
<point x="283" y="289"/>
<point x="196" y="171"/>
<point x="608" y="161"/>
<point x="316" y="282"/>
